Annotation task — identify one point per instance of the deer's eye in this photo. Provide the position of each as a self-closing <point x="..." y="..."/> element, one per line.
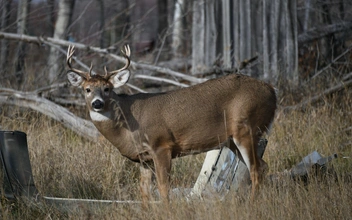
<point x="87" y="90"/>
<point x="106" y="89"/>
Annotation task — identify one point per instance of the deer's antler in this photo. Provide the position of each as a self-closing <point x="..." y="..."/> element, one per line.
<point x="70" y="52"/>
<point x="126" y="53"/>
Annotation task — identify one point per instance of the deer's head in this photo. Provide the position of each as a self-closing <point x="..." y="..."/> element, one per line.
<point x="98" y="88"/>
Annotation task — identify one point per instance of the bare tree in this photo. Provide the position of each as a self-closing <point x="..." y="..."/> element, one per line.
<point x="280" y="48"/>
<point x="204" y="35"/>
<point x="120" y="22"/>
<point x="22" y="14"/>
<point x="177" y="28"/>
<point x="210" y="32"/>
<point x="289" y="50"/>
<point x="163" y="21"/>
<point x="226" y="33"/>
<point x="4" y="52"/>
<point x="198" y="36"/>
<point x="102" y="23"/>
<point x="51" y="16"/>
<point x="61" y="31"/>
<point x="144" y="20"/>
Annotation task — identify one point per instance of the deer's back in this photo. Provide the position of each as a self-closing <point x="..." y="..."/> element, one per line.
<point x="205" y="113"/>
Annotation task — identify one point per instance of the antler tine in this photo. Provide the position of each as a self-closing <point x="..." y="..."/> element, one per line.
<point x="126" y="53"/>
<point x="70" y="52"/>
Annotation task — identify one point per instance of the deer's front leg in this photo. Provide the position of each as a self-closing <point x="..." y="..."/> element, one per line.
<point x="145" y="183"/>
<point x="162" y="163"/>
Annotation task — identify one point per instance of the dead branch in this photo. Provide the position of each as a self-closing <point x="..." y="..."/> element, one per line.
<point x="31" y="100"/>
<point x="48" y="40"/>
<point x="316" y="98"/>
<point x="319" y="32"/>
<point x="50" y="88"/>
<point x="347" y="76"/>
<point x="332" y="62"/>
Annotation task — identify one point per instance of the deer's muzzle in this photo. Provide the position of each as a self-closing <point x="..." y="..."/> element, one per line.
<point x="98" y="105"/>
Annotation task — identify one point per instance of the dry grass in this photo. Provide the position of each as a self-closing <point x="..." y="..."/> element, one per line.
<point x="65" y="165"/>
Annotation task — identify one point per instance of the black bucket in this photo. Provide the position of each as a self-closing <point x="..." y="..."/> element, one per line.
<point x="17" y="175"/>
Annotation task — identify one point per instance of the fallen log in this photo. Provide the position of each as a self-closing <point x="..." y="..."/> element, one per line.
<point x="50" y="40"/>
<point x="31" y="100"/>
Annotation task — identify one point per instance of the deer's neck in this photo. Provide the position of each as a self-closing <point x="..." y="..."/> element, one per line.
<point x="113" y="126"/>
<point x="101" y="116"/>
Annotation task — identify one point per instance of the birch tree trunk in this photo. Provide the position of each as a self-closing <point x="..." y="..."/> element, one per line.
<point x="290" y="55"/>
<point x="226" y="34"/>
<point x="177" y="29"/>
<point x="55" y="61"/>
<point x="198" y="33"/>
<point x="242" y="15"/>
<point x="210" y="33"/>
<point x="236" y="33"/>
<point x="204" y="35"/>
<point x="245" y="29"/>
<point x="280" y="48"/>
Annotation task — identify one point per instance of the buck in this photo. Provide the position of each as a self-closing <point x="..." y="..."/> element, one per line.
<point x="157" y="127"/>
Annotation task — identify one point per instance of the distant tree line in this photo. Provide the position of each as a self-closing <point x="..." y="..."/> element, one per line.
<point x="293" y="39"/>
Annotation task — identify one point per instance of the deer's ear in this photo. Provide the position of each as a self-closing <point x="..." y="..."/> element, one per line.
<point x="120" y="79"/>
<point x="75" y="79"/>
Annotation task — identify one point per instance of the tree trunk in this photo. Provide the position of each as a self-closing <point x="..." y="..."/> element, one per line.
<point x="4" y="52"/>
<point x="273" y="31"/>
<point x="61" y="31"/>
<point x="241" y="28"/>
<point x="144" y="20"/>
<point x="204" y="36"/>
<point x="120" y="22"/>
<point x="290" y="54"/>
<point x="177" y="29"/>
<point x="102" y="24"/>
<point x="266" y="67"/>
<point x="210" y="33"/>
<point x="280" y="48"/>
<point x="198" y="33"/>
<point x="22" y="13"/>
<point x="163" y="23"/>
<point x="226" y="34"/>
<point x="306" y="15"/>
<point x="326" y="47"/>
<point x="51" y="16"/>
<point x="236" y="33"/>
<point x="245" y="29"/>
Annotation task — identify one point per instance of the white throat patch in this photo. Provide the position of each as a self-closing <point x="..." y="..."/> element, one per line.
<point x="97" y="116"/>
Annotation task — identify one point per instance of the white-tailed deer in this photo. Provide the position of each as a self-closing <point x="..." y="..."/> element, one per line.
<point x="161" y="126"/>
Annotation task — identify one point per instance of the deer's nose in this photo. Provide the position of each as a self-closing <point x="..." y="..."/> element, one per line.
<point x="98" y="104"/>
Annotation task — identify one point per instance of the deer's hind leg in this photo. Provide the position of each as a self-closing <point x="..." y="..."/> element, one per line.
<point x="246" y="141"/>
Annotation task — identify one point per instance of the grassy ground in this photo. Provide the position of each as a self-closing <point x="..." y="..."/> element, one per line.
<point x="65" y="165"/>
